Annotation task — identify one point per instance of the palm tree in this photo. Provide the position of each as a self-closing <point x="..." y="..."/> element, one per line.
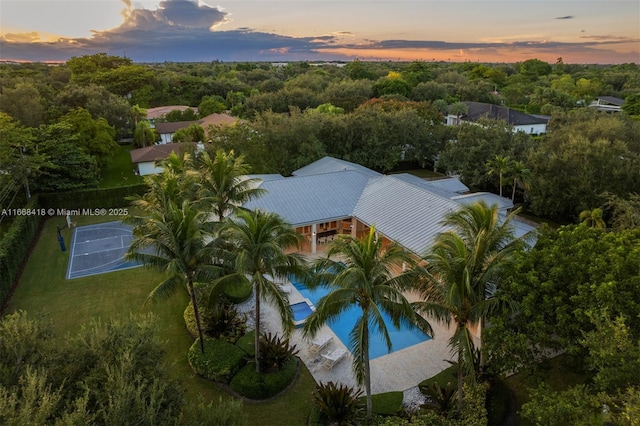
<point x="259" y="240"/>
<point x="593" y="218"/>
<point x="520" y="175"/>
<point x="498" y="165"/>
<point x="175" y="239"/>
<point x="224" y="183"/>
<point x="461" y="272"/>
<point x="363" y="277"/>
<point x="171" y="234"/>
<point x="458" y="109"/>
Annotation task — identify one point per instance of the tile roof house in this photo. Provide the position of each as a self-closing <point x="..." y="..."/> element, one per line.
<point x="527" y="123"/>
<point x="157" y="112"/>
<point x="166" y="130"/>
<point x="332" y="196"/>
<point x="145" y="159"/>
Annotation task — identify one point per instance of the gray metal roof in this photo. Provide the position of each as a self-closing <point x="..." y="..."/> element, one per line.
<point x="330" y="165"/>
<point x="303" y="200"/>
<point x="403" y="212"/>
<point x="266" y="177"/>
<point x="403" y="208"/>
<point x="440" y="187"/>
<point x="450" y="184"/>
<point x="488" y="198"/>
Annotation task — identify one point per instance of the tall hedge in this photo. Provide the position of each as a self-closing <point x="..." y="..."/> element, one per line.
<point x="14" y="247"/>
<point x="97" y="198"/>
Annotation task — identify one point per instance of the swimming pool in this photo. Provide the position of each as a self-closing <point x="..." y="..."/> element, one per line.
<point x="401" y="338"/>
<point x="301" y="311"/>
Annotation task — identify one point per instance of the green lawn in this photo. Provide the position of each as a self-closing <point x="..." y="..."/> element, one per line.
<point x="119" y="172"/>
<point x="71" y="303"/>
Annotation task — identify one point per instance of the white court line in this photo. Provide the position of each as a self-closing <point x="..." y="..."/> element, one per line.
<point x="73" y="250"/>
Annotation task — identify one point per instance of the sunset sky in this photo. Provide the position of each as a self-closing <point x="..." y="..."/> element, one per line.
<point x="586" y="31"/>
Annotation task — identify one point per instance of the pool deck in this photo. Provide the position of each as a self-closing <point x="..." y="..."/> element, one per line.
<point x="397" y="371"/>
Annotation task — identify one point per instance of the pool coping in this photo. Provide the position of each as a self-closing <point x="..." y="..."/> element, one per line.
<point x="400" y="370"/>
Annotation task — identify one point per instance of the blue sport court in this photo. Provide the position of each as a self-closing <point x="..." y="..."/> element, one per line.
<point x="100" y="248"/>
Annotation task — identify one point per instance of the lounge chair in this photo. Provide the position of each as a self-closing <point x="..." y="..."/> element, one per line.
<point x="319" y="343"/>
<point x="332" y="358"/>
<point x="284" y="288"/>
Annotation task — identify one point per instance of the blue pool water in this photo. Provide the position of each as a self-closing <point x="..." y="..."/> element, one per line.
<point x="401" y="338"/>
<point x="301" y="311"/>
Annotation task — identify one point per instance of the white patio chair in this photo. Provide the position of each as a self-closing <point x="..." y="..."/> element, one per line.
<point x="332" y="358"/>
<point x="319" y="343"/>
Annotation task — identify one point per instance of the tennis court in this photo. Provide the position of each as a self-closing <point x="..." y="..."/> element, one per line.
<point x="100" y="248"/>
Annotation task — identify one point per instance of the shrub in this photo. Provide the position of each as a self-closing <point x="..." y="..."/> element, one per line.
<point x="219" y="322"/>
<point x="92" y="198"/>
<point x="442" y="397"/>
<point x="247" y="343"/>
<point x="338" y="404"/>
<point x="239" y="292"/>
<point x="14" y="247"/>
<point x="225" y="412"/>
<point x="275" y="352"/>
<point x="220" y="361"/>
<point x="251" y="384"/>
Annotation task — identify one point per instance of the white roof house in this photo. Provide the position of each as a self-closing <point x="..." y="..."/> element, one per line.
<point x="402" y="207"/>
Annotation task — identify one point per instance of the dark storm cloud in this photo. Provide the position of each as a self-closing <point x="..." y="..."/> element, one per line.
<point x="566" y="17"/>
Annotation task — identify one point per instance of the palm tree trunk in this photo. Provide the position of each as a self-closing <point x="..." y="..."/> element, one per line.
<point x="367" y="383"/>
<point x="257" y="331"/>
<point x="501" y="184"/>
<point x="513" y="194"/>
<point x="459" y="382"/>
<point x="196" y="313"/>
<point x="482" y="361"/>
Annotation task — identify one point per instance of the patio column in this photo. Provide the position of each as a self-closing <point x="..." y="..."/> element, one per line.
<point x="314" y="238"/>
<point x="354" y="227"/>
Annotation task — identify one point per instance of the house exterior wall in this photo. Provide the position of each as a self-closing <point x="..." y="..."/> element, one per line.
<point x="531" y="129"/>
<point x="148" y="168"/>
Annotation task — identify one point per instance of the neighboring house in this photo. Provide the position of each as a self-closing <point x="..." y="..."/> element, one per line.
<point x="332" y="196"/>
<point x="521" y="122"/>
<point x="145" y="159"/>
<point x="157" y="112"/>
<point x="166" y="130"/>
<point x="607" y="104"/>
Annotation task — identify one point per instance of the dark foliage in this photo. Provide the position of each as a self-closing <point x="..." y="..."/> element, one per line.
<point x="339" y="404"/>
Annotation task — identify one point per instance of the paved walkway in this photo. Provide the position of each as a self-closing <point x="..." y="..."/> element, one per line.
<point x="397" y="371"/>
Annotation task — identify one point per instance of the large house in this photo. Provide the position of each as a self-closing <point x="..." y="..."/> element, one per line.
<point x="607" y="104"/>
<point x="332" y="196"/>
<point x="519" y="121"/>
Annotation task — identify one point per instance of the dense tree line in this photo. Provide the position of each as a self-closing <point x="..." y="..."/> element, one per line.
<point x="106" y="374"/>
<point x="374" y="114"/>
